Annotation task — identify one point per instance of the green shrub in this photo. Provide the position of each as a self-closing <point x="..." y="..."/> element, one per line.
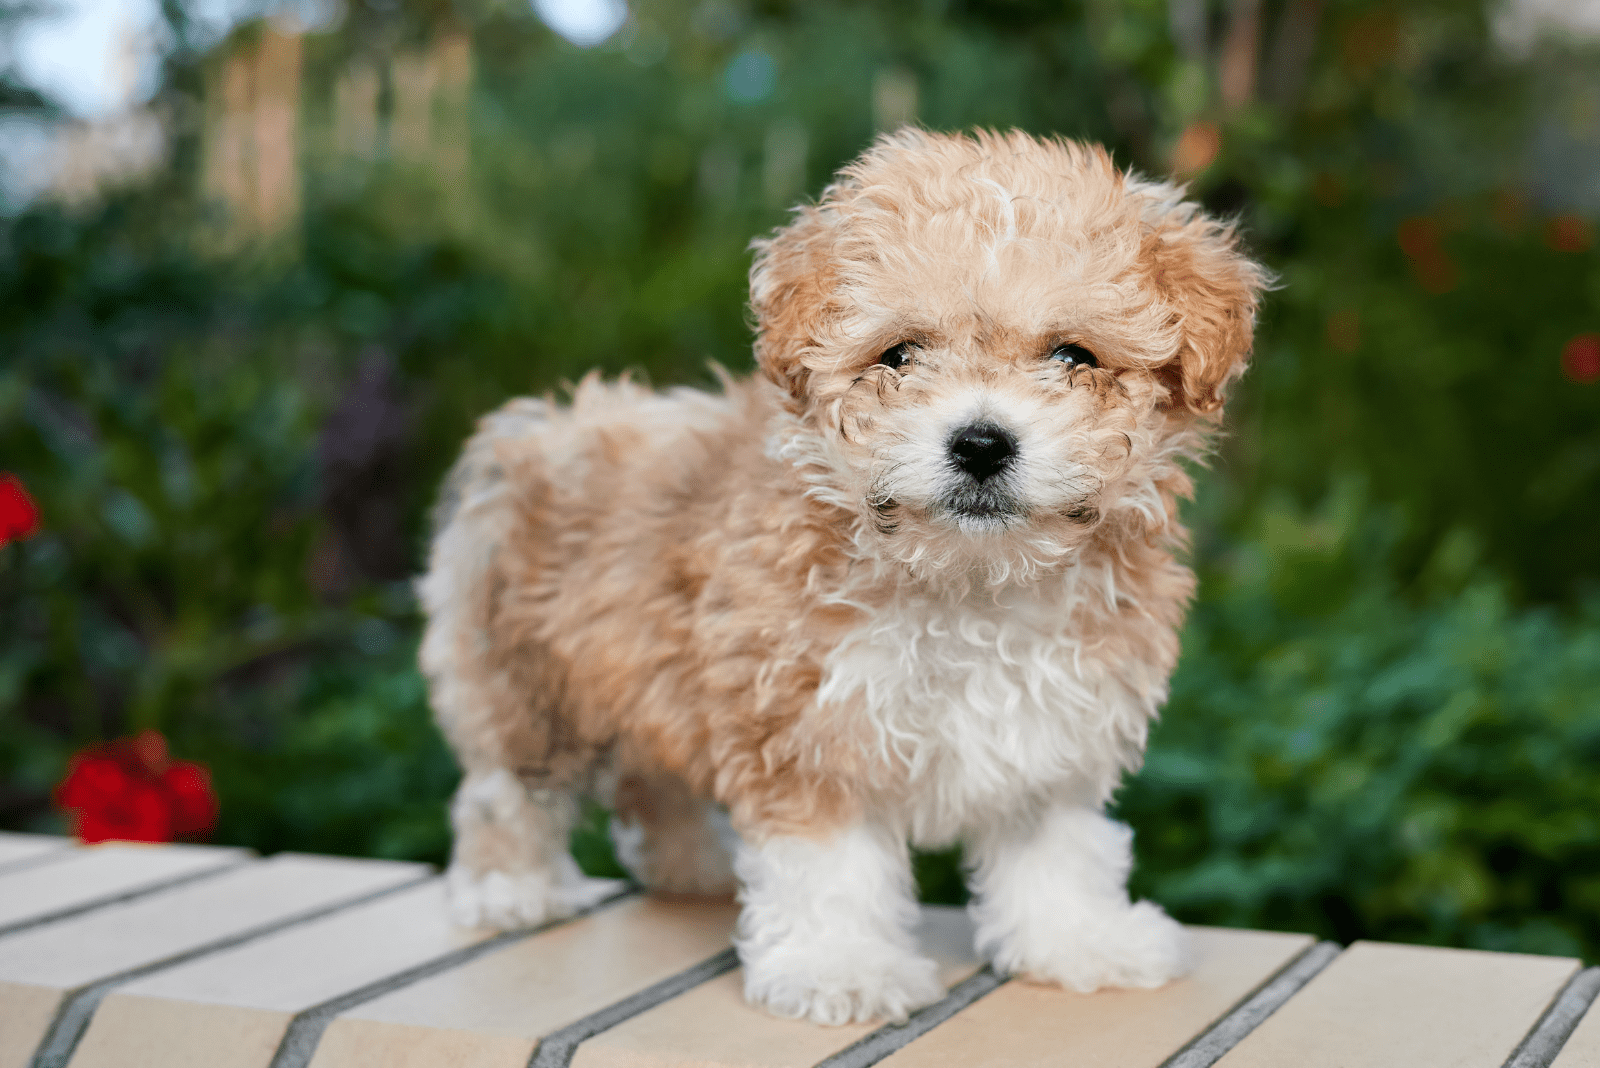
<point x="1341" y="758"/>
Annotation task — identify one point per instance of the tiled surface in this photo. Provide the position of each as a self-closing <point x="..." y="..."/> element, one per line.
<point x="1022" y="1023"/>
<point x="97" y="872"/>
<point x="712" y="1026"/>
<point x="493" y="1011"/>
<point x="230" y="1009"/>
<point x="41" y="966"/>
<point x="232" y="1002"/>
<point x="15" y="848"/>
<point x="1383" y="1005"/>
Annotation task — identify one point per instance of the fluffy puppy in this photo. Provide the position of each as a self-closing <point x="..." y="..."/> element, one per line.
<point x="915" y="582"/>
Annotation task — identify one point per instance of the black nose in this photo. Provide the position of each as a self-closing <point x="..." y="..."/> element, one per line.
<point x="982" y="449"/>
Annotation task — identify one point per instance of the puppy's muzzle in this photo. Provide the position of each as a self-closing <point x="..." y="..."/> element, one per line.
<point x="982" y="450"/>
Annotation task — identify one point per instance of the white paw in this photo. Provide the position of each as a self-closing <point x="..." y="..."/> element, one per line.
<point x="841" y="982"/>
<point x="1133" y="946"/>
<point x="507" y="900"/>
<point x="502" y="899"/>
<point x="586" y="893"/>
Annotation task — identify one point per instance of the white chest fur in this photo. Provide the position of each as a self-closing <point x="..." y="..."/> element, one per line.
<point x="994" y="700"/>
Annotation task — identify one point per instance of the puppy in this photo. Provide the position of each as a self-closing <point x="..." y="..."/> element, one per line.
<point x="917" y="581"/>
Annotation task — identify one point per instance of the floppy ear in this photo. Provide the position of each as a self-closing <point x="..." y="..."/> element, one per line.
<point x="790" y="281"/>
<point x="1213" y="289"/>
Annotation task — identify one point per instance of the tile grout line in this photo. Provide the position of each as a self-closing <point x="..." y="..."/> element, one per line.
<point x="1209" y="1046"/>
<point x="305" y="1030"/>
<point x="1550" y="1033"/>
<point x="557" y="1049"/>
<point x="72" y="1018"/>
<point x="890" y="1038"/>
<point x="127" y="895"/>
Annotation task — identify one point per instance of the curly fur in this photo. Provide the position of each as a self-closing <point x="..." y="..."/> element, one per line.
<point x="790" y="600"/>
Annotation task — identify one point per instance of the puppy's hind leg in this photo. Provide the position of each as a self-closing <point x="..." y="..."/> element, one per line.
<point x="510" y="866"/>
<point x="495" y="690"/>
<point x="670" y="840"/>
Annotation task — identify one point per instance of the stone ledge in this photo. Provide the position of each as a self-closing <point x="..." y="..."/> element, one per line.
<point x="193" y="957"/>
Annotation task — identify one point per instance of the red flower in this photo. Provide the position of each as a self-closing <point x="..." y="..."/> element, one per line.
<point x="1568" y="233"/>
<point x="19" y="516"/>
<point x="130" y="791"/>
<point x="1419" y="239"/>
<point x="1580" y="360"/>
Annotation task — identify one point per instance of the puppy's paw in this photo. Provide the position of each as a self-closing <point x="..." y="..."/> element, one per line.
<point x="507" y="900"/>
<point x="841" y="983"/>
<point x="503" y="900"/>
<point x="585" y="893"/>
<point x="1134" y="946"/>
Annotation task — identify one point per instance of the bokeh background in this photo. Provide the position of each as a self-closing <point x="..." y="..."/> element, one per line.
<point x="249" y="311"/>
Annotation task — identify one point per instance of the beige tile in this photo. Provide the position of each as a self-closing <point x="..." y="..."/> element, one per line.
<point x="711" y="1026"/>
<point x="1384" y="1005"/>
<point x="220" y="1010"/>
<point x="96" y="872"/>
<point x="1024" y="1024"/>
<point x="163" y="1033"/>
<point x="25" y="1014"/>
<point x="1583" y="1046"/>
<point x="43" y="965"/>
<point x="400" y="1045"/>
<point x="494" y="1010"/>
<point x="19" y="847"/>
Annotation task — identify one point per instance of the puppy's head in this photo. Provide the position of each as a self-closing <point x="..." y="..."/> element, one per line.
<point x="999" y="346"/>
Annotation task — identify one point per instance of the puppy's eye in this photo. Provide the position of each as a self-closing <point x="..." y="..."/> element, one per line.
<point x="898" y="356"/>
<point x="1074" y="356"/>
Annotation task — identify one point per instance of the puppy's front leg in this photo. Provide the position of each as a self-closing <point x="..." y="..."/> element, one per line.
<point x="825" y="930"/>
<point x="1050" y="901"/>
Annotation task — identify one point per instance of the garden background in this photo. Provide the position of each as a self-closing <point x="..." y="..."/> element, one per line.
<point x="233" y="379"/>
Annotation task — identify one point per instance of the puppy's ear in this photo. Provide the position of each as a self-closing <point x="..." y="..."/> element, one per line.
<point x="1212" y="287"/>
<point x="790" y="281"/>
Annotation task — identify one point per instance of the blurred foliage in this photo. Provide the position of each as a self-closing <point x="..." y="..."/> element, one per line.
<point x="1339" y="757"/>
<point x="1388" y="709"/>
